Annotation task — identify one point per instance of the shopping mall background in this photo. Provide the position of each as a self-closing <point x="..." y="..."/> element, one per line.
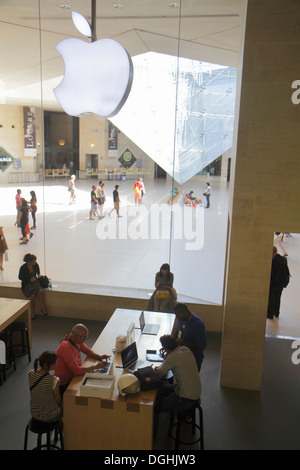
<point x="259" y="39"/>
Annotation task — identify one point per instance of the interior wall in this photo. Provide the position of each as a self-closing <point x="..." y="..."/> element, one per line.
<point x="265" y="195"/>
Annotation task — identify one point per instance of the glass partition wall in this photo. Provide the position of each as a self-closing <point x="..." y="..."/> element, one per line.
<point x="175" y="125"/>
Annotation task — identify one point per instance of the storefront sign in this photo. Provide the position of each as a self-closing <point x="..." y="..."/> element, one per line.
<point x="112" y="140"/>
<point x="29" y="131"/>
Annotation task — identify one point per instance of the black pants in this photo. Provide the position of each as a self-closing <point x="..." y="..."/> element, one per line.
<point x="274" y="301"/>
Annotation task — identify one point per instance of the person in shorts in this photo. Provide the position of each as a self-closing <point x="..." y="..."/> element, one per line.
<point x="116" y="200"/>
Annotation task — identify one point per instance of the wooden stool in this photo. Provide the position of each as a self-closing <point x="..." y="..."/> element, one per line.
<point x="40" y="428"/>
<point x="19" y="327"/>
<point x="181" y="418"/>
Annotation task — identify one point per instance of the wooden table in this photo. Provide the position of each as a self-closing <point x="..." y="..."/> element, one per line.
<point x="15" y="309"/>
<point x="117" y="423"/>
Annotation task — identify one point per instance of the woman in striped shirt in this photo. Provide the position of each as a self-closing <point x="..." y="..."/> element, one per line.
<point x="44" y="389"/>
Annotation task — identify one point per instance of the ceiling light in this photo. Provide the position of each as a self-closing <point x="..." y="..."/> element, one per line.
<point x="65" y="7"/>
<point x="118" y="5"/>
<point x="174" y="5"/>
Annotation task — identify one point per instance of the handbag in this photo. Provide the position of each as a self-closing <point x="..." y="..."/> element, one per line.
<point x="162" y="294"/>
<point x="27" y="229"/>
<point x="148" y="378"/>
<point x="43" y="281"/>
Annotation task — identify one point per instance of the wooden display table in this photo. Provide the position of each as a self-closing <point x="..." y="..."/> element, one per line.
<point x="117" y="423"/>
<point x="15" y="309"/>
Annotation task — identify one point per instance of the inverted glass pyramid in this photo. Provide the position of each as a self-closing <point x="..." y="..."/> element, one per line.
<point x="180" y="112"/>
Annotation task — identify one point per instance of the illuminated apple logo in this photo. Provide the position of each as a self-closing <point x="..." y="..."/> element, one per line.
<point x="98" y="75"/>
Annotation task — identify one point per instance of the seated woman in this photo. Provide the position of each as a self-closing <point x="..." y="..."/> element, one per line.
<point x="44" y="389"/>
<point x="164" y="297"/>
<point x="191" y="200"/>
<point x="29" y="275"/>
<point x="174" y="194"/>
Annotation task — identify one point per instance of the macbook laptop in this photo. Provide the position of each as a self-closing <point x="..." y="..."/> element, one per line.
<point x="129" y="357"/>
<point x="148" y="328"/>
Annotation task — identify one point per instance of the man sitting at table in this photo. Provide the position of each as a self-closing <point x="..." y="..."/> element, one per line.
<point x="69" y="357"/>
<point x="186" y="389"/>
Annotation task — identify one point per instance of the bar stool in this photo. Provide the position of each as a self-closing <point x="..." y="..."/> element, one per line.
<point x="19" y="327"/>
<point x="181" y="418"/>
<point x="40" y="428"/>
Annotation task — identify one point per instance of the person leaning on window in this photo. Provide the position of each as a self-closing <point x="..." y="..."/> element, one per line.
<point x="45" y="398"/>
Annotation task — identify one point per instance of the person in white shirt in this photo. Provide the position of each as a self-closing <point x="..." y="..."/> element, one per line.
<point x="186" y="389"/>
<point x="207" y="193"/>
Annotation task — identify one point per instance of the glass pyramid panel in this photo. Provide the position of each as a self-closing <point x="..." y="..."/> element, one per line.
<point x="180" y="112"/>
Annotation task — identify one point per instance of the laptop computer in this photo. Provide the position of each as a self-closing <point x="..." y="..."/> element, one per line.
<point x="129" y="357"/>
<point x="148" y="328"/>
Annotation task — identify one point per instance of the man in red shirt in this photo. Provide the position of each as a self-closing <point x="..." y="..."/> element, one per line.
<point x="69" y="357"/>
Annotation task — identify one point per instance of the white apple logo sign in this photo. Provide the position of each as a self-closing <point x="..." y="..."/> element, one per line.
<point x="98" y="76"/>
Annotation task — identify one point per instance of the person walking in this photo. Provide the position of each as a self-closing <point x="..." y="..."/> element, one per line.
<point x="23" y="219"/>
<point x="33" y="208"/>
<point x="94" y="203"/>
<point x="116" y="200"/>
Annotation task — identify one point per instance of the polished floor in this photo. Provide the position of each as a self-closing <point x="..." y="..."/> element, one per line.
<point x="122" y="255"/>
<point x="233" y="419"/>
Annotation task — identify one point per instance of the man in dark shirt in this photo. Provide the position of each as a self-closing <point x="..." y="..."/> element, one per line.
<point x="279" y="279"/>
<point x="116" y="200"/>
<point x="190" y="331"/>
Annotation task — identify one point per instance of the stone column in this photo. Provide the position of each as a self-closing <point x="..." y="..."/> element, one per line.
<point x="265" y="194"/>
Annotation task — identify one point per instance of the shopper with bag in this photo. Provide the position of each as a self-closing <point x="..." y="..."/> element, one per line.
<point x="3" y="248"/>
<point x="23" y="219"/>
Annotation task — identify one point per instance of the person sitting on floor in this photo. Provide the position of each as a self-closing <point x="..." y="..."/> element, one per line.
<point x="191" y="200"/>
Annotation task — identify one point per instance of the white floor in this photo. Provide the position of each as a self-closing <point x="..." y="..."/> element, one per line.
<point x="122" y="255"/>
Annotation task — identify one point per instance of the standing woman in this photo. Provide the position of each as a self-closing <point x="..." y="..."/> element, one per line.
<point x="3" y="247"/>
<point x="23" y="219"/>
<point x="29" y="274"/>
<point x="45" y="397"/>
<point x="207" y="195"/>
<point x="72" y="189"/>
<point x="103" y="198"/>
<point x="18" y="203"/>
<point x="33" y="208"/>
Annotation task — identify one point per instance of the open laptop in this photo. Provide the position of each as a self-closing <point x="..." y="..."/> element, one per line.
<point x="148" y="328"/>
<point x="129" y="357"/>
